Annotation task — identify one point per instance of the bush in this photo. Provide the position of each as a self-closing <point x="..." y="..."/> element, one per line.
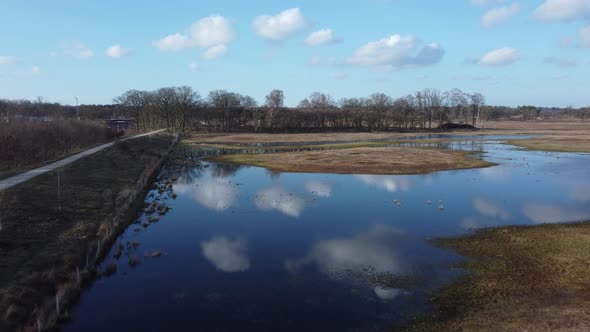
<point x="28" y="143"/>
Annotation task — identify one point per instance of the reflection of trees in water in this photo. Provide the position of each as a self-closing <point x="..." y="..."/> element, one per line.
<point x="185" y="164"/>
<point x="467" y="145"/>
<point x="273" y="175"/>
<point x="224" y="170"/>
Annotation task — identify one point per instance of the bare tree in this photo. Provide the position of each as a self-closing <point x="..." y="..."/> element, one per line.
<point x="477" y="101"/>
<point x="379" y="103"/>
<point x="458" y="102"/>
<point x="274" y="101"/>
<point x="135" y="102"/>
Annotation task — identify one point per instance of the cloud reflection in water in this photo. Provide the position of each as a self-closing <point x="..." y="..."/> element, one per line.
<point x="227" y="255"/>
<point x="360" y="256"/>
<point x="551" y="213"/>
<point x="318" y="188"/>
<point x="214" y="193"/>
<point x="277" y="198"/>
<point x="391" y="183"/>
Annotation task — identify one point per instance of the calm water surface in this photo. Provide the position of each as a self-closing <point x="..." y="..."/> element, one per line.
<point x="243" y="248"/>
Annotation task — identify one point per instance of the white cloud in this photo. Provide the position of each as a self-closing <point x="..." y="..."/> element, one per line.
<point x="497" y="15"/>
<point x="280" y="26"/>
<point x="173" y="42"/>
<point x="77" y="49"/>
<point x="212" y="32"/>
<point x="563" y="10"/>
<point x="275" y="198"/>
<point x="116" y="51"/>
<point x="317" y="188"/>
<point x="585" y="36"/>
<point x="228" y="255"/>
<point x="498" y="57"/>
<point x="320" y="37"/>
<point x="396" y="52"/>
<point x="391" y="183"/>
<point x="193" y="66"/>
<point x="215" y="52"/>
<point x="35" y="70"/>
<point x="214" y="193"/>
<point x="6" y="59"/>
<point x="560" y="62"/>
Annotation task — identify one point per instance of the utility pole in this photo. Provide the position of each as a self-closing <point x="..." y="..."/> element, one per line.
<point x="59" y="189"/>
<point x="77" y="109"/>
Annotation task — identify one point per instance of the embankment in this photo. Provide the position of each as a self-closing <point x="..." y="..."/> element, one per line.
<point x="55" y="228"/>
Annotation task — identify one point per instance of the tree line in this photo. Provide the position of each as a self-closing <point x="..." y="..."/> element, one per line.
<point x="184" y="109"/>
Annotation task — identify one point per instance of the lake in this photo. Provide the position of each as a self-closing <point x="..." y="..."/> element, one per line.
<point x="243" y="248"/>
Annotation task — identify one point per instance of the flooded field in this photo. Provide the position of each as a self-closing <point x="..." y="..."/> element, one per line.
<point x="225" y="247"/>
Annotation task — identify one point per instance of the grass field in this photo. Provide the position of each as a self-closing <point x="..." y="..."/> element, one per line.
<point x="376" y="160"/>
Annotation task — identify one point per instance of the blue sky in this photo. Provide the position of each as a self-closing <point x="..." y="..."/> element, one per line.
<point x="514" y="52"/>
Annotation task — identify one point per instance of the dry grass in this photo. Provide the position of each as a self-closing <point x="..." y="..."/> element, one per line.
<point x="579" y="143"/>
<point x="288" y="138"/>
<point x="520" y="279"/>
<point x="379" y="160"/>
<point x="542" y="127"/>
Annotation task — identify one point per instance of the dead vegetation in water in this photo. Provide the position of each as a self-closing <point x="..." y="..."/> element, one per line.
<point x="390" y="160"/>
<point x="519" y="279"/>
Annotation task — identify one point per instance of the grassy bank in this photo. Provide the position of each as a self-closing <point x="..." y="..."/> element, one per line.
<point x="519" y="279"/>
<point x="377" y="160"/>
<point x="50" y="230"/>
<point x="579" y="143"/>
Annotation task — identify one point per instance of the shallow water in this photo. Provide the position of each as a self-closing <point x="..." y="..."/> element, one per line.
<point x="243" y="248"/>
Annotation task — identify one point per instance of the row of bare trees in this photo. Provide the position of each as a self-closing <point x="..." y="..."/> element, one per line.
<point x="183" y="109"/>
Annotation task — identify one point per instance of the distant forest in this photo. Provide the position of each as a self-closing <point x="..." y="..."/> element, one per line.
<point x="183" y="109"/>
